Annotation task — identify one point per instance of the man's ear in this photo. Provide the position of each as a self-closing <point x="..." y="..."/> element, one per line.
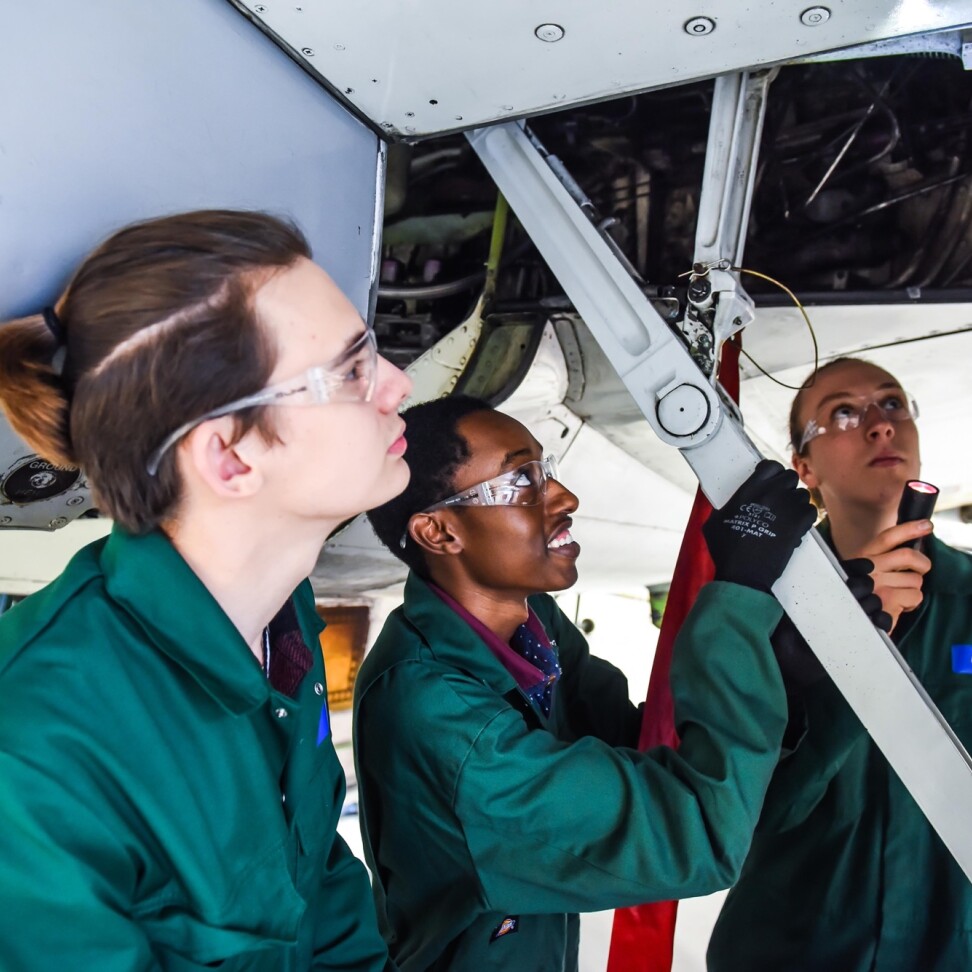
<point x="432" y="532"/>
<point x="804" y="470"/>
<point x="213" y="457"/>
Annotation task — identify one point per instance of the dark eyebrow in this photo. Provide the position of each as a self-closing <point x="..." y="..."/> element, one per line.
<point x="353" y="340"/>
<point x="515" y="454"/>
<point x="342" y="356"/>
<point x="846" y="394"/>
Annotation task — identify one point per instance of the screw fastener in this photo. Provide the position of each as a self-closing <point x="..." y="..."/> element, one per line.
<point x="699" y="26"/>
<point x="814" y="16"/>
<point x="550" y="33"/>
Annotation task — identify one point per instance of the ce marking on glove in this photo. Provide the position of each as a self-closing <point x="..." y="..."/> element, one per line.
<point x="752" y="520"/>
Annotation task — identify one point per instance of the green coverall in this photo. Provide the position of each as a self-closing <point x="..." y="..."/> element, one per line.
<point x="845" y="873"/>
<point x="161" y="806"/>
<point x="475" y="808"/>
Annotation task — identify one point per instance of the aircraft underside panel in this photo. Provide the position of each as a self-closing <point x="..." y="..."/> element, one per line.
<point x="419" y="69"/>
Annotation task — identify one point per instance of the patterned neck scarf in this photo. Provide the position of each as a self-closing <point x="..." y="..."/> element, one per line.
<point x="534" y="646"/>
<point x="530" y="656"/>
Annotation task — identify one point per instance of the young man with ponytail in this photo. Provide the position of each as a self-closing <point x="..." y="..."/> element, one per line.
<point x="169" y="790"/>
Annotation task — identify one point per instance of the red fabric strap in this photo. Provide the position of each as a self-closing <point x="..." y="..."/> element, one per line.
<point x="643" y="937"/>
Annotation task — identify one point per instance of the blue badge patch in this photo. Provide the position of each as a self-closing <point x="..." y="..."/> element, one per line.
<point x="508" y="926"/>
<point x="962" y="659"/>
<point x="324" y="726"/>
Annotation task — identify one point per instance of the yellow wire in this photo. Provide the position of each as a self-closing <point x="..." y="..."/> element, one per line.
<point x="802" y="310"/>
<point x="496" y="245"/>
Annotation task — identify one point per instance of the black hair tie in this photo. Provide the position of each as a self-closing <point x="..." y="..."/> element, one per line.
<point x="55" y="326"/>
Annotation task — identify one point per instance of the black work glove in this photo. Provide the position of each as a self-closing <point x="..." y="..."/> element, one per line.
<point x="753" y="536"/>
<point x="797" y="662"/>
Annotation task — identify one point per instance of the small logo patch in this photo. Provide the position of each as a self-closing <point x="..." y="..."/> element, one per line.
<point x="962" y="659"/>
<point x="508" y="926"/>
<point x="324" y="726"/>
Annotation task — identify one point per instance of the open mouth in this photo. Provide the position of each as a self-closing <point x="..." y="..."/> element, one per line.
<point x="563" y="542"/>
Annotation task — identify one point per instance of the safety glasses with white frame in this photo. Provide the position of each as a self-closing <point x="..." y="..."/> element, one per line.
<point x="348" y="378"/>
<point x="847" y="412"/>
<point x="524" y="486"/>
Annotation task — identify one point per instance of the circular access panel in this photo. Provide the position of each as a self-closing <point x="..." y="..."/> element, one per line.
<point x="36" y="480"/>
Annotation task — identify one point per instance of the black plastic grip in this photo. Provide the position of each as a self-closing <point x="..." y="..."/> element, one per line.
<point x="917" y="503"/>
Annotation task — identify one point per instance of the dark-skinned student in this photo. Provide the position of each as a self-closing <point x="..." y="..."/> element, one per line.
<point x="501" y="792"/>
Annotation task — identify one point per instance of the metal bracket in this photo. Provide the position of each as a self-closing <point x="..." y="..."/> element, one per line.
<point x="682" y="406"/>
<point x="718" y="307"/>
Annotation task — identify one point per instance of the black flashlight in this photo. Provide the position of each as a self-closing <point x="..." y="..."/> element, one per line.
<point x="917" y="503"/>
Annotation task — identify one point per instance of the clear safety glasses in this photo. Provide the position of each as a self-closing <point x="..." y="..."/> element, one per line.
<point x="348" y="378"/>
<point x="523" y="486"/>
<point x="847" y="412"/>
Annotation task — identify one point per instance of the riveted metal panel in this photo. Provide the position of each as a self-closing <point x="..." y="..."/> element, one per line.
<point x="416" y="69"/>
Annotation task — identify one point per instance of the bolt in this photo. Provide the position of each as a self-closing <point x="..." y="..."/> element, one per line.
<point x="699" y="26"/>
<point x="699" y="290"/>
<point x="58" y="522"/>
<point x="260" y="8"/>
<point x="550" y="33"/>
<point x="814" y="16"/>
<point x="307" y="51"/>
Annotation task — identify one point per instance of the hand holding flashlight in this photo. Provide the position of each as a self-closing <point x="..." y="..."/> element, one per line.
<point x="917" y="503"/>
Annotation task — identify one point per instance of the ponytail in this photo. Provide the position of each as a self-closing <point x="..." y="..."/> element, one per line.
<point x="32" y="393"/>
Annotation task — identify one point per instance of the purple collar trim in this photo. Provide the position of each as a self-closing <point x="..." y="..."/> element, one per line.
<point x="525" y="674"/>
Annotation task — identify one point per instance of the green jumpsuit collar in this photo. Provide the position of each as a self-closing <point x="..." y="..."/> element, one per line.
<point x="148" y="577"/>
<point x="450" y="639"/>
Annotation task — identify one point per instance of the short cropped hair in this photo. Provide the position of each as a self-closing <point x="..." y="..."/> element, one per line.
<point x="435" y="451"/>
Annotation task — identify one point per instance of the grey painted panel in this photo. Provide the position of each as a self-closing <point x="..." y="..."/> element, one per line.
<point x="128" y="108"/>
